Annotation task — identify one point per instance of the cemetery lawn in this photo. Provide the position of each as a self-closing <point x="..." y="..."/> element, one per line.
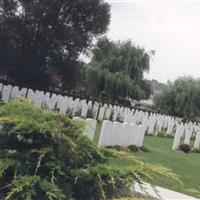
<point x="186" y="166"/>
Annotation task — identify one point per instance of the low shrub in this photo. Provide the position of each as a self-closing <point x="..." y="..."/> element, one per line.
<point x="143" y="149"/>
<point x="133" y="148"/>
<point x="150" y="134"/>
<point x="109" y="147"/>
<point x="90" y="113"/>
<point x="78" y="113"/>
<point x="170" y="136"/>
<point x="162" y="134"/>
<point x="118" y="148"/>
<point x="44" y="155"/>
<point x="192" y="138"/>
<point x="185" y="148"/>
<point x="196" y="150"/>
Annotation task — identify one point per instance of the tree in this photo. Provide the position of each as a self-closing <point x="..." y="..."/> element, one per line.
<point x="41" y="41"/>
<point x="180" y="98"/>
<point x="116" y="71"/>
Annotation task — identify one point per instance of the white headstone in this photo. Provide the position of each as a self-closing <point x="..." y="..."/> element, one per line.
<point x="1" y="87"/>
<point x="115" y="115"/>
<point x="116" y="134"/>
<point x="126" y="131"/>
<point x="15" y="92"/>
<point x="23" y="92"/>
<point x="101" y="114"/>
<point x="90" y="128"/>
<point x="188" y="135"/>
<point x="108" y="113"/>
<point x="95" y="110"/>
<point x="197" y="140"/>
<point x="133" y="135"/>
<point x="30" y="94"/>
<point x="127" y="119"/>
<point x="177" y="139"/>
<point x="84" y="110"/>
<point x="141" y="133"/>
<point x="6" y="92"/>
<point x="105" y="133"/>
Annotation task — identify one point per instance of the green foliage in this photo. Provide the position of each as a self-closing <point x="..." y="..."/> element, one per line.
<point x="196" y="150"/>
<point x="185" y="148"/>
<point x="33" y="187"/>
<point x="180" y="98"/>
<point x="116" y="71"/>
<point x="133" y="148"/>
<point x="43" y="155"/>
<point x="162" y="134"/>
<point x="144" y="149"/>
<point x="170" y="136"/>
<point x="41" y="41"/>
<point x="90" y="113"/>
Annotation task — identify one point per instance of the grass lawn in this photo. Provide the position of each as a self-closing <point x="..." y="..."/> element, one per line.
<point x="186" y="166"/>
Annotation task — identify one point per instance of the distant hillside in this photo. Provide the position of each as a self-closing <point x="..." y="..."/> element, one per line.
<point x="156" y="86"/>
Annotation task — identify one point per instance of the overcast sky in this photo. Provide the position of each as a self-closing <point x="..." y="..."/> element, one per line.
<point x="172" y="28"/>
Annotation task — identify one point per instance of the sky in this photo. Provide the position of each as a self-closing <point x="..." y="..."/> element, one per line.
<point x="170" y="27"/>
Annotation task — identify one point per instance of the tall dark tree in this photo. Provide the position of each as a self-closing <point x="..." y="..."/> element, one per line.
<point x="41" y="40"/>
<point x="116" y="71"/>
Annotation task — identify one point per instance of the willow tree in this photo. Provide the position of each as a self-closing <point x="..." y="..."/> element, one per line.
<point x="180" y="98"/>
<point x="116" y="71"/>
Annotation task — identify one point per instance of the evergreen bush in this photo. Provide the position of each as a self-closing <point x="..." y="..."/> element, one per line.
<point x="44" y="156"/>
<point x="185" y="148"/>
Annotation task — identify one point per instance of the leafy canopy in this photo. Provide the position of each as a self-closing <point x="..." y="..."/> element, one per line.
<point x="180" y="98"/>
<point x="116" y="70"/>
<point x="40" y="41"/>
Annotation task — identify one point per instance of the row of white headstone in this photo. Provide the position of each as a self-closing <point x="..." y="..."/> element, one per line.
<point x="51" y="101"/>
<point x="153" y="122"/>
<point x="122" y="134"/>
<point x="125" y="134"/>
<point x="115" y="133"/>
<point x="185" y="133"/>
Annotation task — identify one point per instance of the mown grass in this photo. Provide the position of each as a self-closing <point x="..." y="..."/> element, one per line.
<point x="186" y="166"/>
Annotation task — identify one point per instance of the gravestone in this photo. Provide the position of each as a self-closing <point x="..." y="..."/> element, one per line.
<point x="105" y="133"/>
<point x="177" y="139"/>
<point x="133" y="120"/>
<point x="188" y="135"/>
<point x="101" y="114"/>
<point x="38" y="100"/>
<point x="170" y="127"/>
<point x="30" y="94"/>
<point x="115" y="115"/>
<point x="15" y="92"/>
<point x="51" y="103"/>
<point x="126" y="131"/>
<point x="132" y="140"/>
<point x="84" y="110"/>
<point x="108" y="114"/>
<point x="90" y="128"/>
<point x="95" y="110"/>
<point x="127" y="119"/>
<point x="116" y="134"/>
<point x="1" y="87"/>
<point x="6" y="92"/>
<point x="141" y="133"/>
<point x="151" y="127"/>
<point x="197" y="140"/>
<point x="77" y="118"/>
<point x="23" y="92"/>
